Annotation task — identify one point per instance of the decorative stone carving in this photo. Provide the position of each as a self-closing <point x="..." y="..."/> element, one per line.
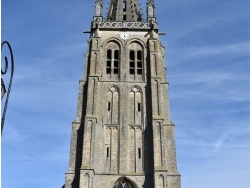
<point x="135" y="127"/>
<point x="114" y="89"/>
<point x="150" y="8"/>
<point x="136" y="89"/>
<point x="99" y="2"/>
<point x="151" y="3"/>
<point x="136" y="25"/>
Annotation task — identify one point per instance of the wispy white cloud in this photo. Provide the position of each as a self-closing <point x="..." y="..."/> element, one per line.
<point x="209" y="90"/>
<point x="230" y="136"/>
<point x="213" y="85"/>
<point x="227" y="49"/>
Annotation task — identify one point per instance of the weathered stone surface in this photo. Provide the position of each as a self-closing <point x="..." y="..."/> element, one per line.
<point x="123" y="133"/>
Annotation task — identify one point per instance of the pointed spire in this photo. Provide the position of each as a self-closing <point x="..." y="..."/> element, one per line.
<point x="124" y="10"/>
<point x="151" y="10"/>
<point x="98" y="7"/>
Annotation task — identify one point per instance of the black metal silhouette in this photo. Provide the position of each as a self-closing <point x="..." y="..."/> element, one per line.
<point x="3" y="72"/>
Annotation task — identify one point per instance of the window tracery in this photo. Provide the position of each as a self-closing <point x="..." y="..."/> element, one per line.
<point x="135" y="63"/>
<point x="136" y="60"/>
<point x="123" y="183"/>
<point x="112" y="59"/>
<point x="112" y="62"/>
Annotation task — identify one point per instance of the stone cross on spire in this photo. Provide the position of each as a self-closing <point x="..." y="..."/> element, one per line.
<point x="124" y="10"/>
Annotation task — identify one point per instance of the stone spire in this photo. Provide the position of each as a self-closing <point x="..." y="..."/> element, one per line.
<point x="98" y="8"/>
<point x="151" y="10"/>
<point x="124" y="10"/>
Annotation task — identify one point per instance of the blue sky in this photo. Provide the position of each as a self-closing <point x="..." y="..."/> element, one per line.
<point x="208" y="59"/>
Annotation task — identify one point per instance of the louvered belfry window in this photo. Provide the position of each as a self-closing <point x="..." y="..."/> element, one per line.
<point x="135" y="62"/>
<point x="112" y="66"/>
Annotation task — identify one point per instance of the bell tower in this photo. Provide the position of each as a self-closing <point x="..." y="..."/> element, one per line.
<point x="123" y="136"/>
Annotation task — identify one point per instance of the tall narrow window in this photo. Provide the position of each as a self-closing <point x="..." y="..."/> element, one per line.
<point x="136" y="69"/>
<point x="116" y="60"/>
<point x="107" y="151"/>
<point x="139" y="62"/>
<point x="132" y="62"/>
<point x="136" y="61"/>
<point x="109" y="59"/>
<point x="124" y="6"/>
<point x="139" y="153"/>
<point x="112" y="66"/>
<point x="109" y="106"/>
<point x="139" y="107"/>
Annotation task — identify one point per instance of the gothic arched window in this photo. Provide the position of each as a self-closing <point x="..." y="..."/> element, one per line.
<point x="112" y="59"/>
<point x="123" y="182"/>
<point x="123" y="185"/>
<point x="135" y="60"/>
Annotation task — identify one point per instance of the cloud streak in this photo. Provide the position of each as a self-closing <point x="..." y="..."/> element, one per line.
<point x="231" y="49"/>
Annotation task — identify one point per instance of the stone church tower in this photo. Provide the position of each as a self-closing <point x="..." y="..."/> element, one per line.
<point x="123" y="136"/>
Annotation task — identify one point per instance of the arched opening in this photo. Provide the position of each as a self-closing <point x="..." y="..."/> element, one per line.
<point x="124" y="183"/>
<point x="136" y="61"/>
<point x="112" y="60"/>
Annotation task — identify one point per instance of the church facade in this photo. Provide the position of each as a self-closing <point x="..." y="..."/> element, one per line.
<point x="123" y="136"/>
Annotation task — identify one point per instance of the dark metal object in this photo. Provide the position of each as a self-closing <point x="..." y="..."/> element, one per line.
<point x="3" y="72"/>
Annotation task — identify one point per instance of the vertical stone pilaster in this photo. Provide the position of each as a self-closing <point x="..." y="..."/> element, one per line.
<point x="170" y="153"/>
<point x="86" y="179"/>
<point x="73" y="147"/>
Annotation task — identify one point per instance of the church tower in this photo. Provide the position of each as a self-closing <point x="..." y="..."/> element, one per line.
<point x="123" y="136"/>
